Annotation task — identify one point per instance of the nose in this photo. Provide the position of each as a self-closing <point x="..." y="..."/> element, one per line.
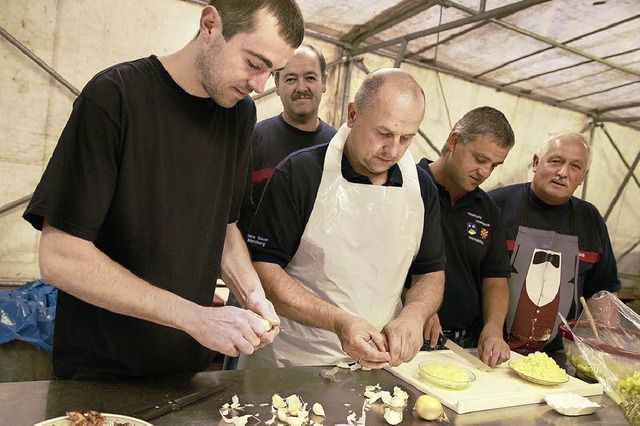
<point x="258" y="82"/>
<point x="393" y="147"/>
<point x="485" y="171"/>
<point x="563" y="170"/>
<point x="301" y="86"/>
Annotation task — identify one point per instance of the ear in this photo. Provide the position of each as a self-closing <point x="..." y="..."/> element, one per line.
<point x="210" y="23"/>
<point x="351" y="114"/>
<point x="536" y="162"/>
<point x="324" y="83"/>
<point x="277" y="83"/>
<point x="452" y="142"/>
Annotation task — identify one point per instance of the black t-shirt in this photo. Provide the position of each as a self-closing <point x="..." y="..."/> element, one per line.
<point x="286" y="205"/>
<point x="152" y="176"/>
<point x="273" y="140"/>
<point x="597" y="270"/>
<point x="475" y="245"/>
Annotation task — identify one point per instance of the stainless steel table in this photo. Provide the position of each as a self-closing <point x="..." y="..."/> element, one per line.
<point x="26" y="403"/>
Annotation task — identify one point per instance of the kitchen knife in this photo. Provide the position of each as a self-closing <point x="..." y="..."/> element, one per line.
<point x="463" y="353"/>
<point x="165" y="407"/>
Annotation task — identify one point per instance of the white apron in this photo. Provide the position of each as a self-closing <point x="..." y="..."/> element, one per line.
<point x="355" y="253"/>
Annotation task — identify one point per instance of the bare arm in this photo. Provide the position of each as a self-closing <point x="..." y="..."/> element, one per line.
<point x="77" y="267"/>
<point x="492" y="349"/>
<point x="404" y="334"/>
<point x="297" y="303"/>
<point x="238" y="273"/>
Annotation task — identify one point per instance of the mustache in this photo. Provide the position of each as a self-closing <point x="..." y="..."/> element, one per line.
<point x="301" y="95"/>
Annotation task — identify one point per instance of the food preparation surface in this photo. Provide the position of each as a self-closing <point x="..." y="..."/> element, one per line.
<point x="497" y="389"/>
<point x="27" y="403"/>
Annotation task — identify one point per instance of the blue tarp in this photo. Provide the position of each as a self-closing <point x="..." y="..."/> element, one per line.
<point x="27" y="313"/>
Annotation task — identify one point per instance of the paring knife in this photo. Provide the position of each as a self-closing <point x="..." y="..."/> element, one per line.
<point x="165" y="407"/>
<point x="463" y="353"/>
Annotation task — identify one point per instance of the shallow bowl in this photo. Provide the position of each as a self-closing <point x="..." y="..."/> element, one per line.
<point x="427" y="374"/>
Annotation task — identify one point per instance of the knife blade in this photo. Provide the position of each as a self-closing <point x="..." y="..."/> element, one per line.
<point x="165" y="407"/>
<point x="458" y="350"/>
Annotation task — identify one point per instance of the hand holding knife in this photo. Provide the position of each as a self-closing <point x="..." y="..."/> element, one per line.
<point x="442" y="340"/>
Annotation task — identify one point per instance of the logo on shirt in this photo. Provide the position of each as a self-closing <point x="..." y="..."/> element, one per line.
<point x="472" y="228"/>
<point x="484" y="233"/>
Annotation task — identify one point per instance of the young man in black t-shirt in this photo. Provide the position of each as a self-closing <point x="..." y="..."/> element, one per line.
<point x="142" y="194"/>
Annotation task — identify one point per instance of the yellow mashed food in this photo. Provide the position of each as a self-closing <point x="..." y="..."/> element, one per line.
<point x="446" y="372"/>
<point x="540" y="366"/>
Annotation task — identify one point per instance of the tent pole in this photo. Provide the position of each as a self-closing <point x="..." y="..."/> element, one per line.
<point x="624" y="183"/>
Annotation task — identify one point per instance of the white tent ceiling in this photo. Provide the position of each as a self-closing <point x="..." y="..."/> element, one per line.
<point x="582" y="55"/>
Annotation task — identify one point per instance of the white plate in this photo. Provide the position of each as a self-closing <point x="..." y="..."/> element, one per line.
<point x="110" y="420"/>
<point x="571" y="404"/>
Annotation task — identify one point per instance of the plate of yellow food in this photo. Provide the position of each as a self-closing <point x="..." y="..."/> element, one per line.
<point x="539" y="368"/>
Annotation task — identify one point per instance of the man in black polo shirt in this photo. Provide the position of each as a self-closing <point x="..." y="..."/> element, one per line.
<point x="476" y="295"/>
<point x="338" y="230"/>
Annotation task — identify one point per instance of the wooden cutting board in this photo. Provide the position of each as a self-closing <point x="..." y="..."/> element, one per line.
<point x="498" y="389"/>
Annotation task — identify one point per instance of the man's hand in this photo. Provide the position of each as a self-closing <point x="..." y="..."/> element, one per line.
<point x="432" y="330"/>
<point x="258" y="303"/>
<point x="361" y="341"/>
<point x="230" y="330"/>
<point x="492" y="349"/>
<point x="404" y="339"/>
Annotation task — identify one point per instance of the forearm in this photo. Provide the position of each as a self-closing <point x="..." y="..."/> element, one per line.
<point x="495" y="303"/>
<point x="293" y="301"/>
<point x="424" y="297"/>
<point x="77" y="267"/>
<point x="237" y="271"/>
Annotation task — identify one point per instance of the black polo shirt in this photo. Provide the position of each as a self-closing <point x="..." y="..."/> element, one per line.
<point x="289" y="197"/>
<point x="476" y="248"/>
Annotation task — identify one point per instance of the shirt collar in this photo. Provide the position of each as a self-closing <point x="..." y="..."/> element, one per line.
<point x="394" y="178"/>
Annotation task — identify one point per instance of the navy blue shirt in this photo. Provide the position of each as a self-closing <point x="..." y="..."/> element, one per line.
<point x="288" y="199"/>
<point x="476" y="248"/>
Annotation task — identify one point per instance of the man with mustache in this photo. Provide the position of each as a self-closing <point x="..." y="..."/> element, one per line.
<point x="476" y="293"/>
<point x="559" y="244"/>
<point x="338" y="230"/>
<point x="300" y="85"/>
<point x="139" y="203"/>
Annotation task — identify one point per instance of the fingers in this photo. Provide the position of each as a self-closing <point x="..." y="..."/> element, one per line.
<point x="493" y="350"/>
<point x="432" y="330"/>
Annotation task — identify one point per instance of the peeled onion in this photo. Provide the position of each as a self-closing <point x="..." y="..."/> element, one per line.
<point x="429" y="408"/>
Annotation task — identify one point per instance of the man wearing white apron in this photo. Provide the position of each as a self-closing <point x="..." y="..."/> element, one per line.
<point x="559" y="245"/>
<point x="339" y="229"/>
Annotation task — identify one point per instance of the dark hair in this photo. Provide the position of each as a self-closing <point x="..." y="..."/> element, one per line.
<point x="238" y="16"/>
<point x="321" y="59"/>
<point x="484" y="121"/>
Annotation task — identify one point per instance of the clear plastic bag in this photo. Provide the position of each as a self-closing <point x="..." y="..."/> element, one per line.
<point x="27" y="313"/>
<point x="609" y="341"/>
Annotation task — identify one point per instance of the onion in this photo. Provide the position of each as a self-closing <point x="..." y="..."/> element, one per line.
<point x="429" y="408"/>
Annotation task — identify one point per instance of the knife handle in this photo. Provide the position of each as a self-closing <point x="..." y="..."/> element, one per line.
<point x="155" y="411"/>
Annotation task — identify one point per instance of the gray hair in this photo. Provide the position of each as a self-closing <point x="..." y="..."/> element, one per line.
<point x="544" y="146"/>
<point x="484" y="121"/>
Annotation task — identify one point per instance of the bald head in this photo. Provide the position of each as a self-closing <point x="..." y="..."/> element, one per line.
<point x="389" y="80"/>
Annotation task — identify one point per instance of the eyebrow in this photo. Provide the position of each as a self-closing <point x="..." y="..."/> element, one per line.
<point x="266" y="61"/>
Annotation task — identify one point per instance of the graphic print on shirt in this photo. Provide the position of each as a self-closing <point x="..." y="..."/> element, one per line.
<point x="476" y="226"/>
<point x="543" y="277"/>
